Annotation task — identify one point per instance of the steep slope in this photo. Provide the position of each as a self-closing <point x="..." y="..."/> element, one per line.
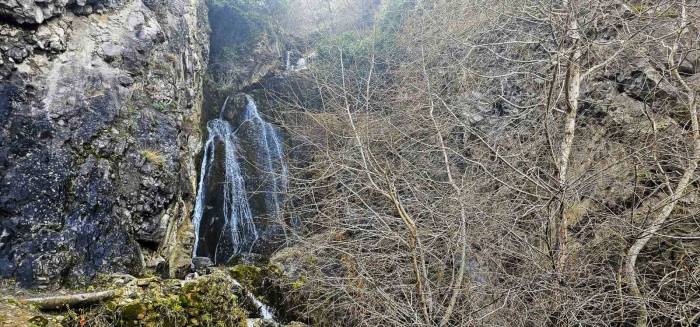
<point x="99" y="108"/>
<point x="532" y="164"/>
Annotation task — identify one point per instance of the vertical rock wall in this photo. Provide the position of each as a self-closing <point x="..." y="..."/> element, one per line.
<point x="99" y="115"/>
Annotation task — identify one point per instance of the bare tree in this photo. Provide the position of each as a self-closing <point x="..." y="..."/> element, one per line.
<point x="506" y="169"/>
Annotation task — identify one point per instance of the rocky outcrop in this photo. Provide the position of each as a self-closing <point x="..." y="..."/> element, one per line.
<point x="99" y="116"/>
<point x="38" y="11"/>
<point x="240" y="61"/>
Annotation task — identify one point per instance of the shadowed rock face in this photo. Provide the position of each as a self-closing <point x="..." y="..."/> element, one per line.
<point x="96" y="136"/>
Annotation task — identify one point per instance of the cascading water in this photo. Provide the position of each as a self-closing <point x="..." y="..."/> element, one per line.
<point x="268" y="159"/>
<point x="296" y="64"/>
<point x="243" y="179"/>
<point x="238" y="227"/>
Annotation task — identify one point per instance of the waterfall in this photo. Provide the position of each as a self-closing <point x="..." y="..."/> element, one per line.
<point x="269" y="159"/>
<point x="296" y="61"/>
<point x="238" y="227"/>
<point x="225" y="212"/>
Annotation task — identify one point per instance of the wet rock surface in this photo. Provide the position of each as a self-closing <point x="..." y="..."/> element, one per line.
<point x="98" y="113"/>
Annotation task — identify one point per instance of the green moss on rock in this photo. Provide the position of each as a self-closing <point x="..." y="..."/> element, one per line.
<point x="209" y="301"/>
<point x="249" y="276"/>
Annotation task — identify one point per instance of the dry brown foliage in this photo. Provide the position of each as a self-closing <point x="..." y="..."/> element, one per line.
<point x="503" y="163"/>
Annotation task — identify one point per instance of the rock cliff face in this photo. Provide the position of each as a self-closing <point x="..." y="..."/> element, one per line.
<point x="37" y="11"/>
<point x="99" y="123"/>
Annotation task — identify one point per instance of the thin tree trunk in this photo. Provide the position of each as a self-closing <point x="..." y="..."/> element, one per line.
<point x="680" y="189"/>
<point x="419" y="267"/>
<point x="573" y="92"/>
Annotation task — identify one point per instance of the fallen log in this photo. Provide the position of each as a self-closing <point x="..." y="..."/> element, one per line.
<point x="71" y="300"/>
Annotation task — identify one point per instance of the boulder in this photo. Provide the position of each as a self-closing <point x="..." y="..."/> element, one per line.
<point x="646" y="84"/>
<point x="201" y="265"/>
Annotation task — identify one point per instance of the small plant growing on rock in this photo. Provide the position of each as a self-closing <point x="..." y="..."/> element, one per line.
<point x="161" y="106"/>
<point x="171" y="58"/>
<point x="154" y="157"/>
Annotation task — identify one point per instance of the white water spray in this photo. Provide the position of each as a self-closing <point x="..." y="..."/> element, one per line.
<point x="239" y="231"/>
<point x="269" y="157"/>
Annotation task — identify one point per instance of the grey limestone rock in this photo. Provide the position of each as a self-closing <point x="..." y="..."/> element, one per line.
<point x="95" y="134"/>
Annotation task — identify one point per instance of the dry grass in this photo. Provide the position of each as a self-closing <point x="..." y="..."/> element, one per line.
<point x="154" y="156"/>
